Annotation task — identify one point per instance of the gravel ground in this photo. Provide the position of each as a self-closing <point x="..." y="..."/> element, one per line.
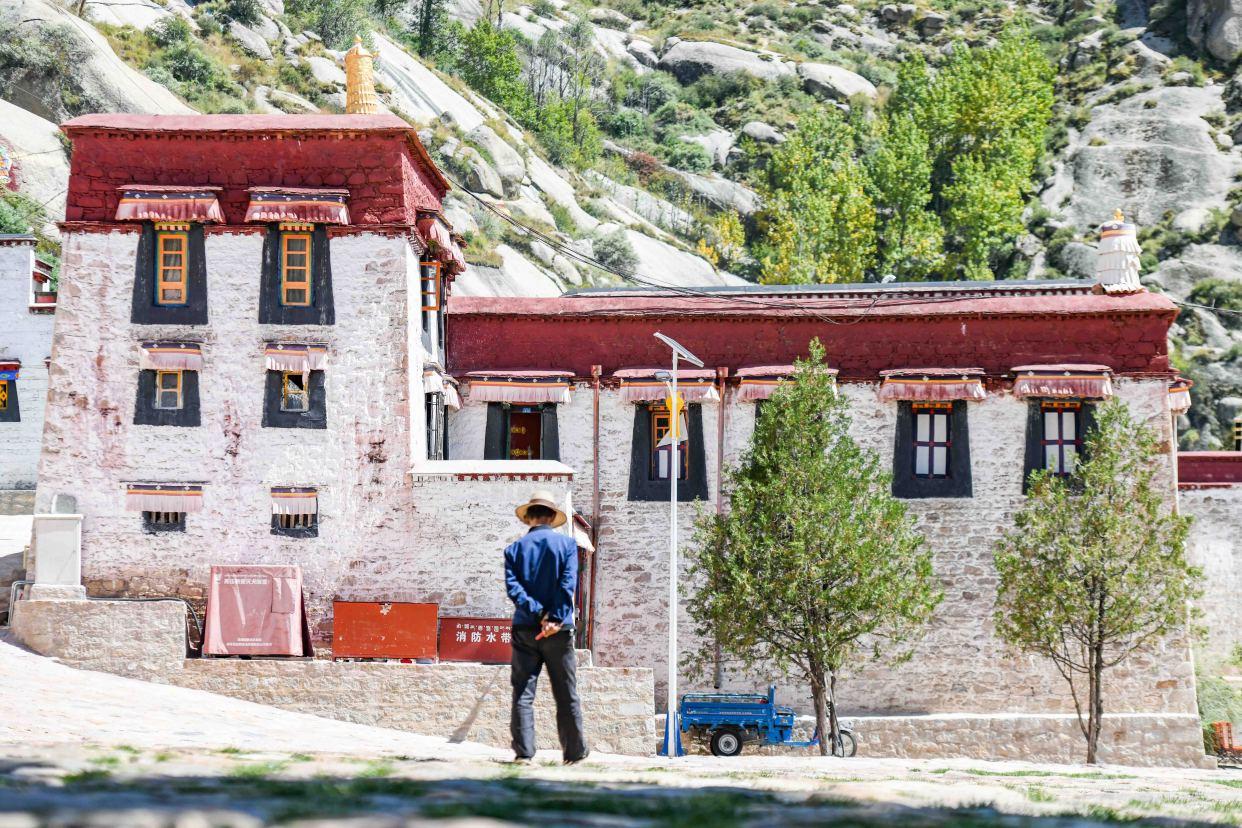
<point x="90" y="749"/>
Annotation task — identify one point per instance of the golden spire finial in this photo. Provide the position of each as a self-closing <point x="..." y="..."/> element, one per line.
<point x="1118" y="215"/>
<point x="360" y="96"/>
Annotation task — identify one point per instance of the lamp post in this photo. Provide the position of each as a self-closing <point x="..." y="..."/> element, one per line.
<point x="672" y="729"/>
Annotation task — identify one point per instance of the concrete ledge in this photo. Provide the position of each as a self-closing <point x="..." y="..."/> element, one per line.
<point x="139" y="639"/>
<point x="1140" y="739"/>
<point x="461" y="702"/>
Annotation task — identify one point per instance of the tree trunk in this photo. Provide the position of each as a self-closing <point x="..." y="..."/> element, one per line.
<point x="819" y="696"/>
<point x="834" y="723"/>
<point x="1095" y="704"/>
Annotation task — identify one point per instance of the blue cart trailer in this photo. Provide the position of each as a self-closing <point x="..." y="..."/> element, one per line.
<point x="729" y="720"/>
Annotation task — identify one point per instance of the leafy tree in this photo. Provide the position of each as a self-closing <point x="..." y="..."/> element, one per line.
<point x="899" y="168"/>
<point x="489" y="63"/>
<point x="815" y="561"/>
<point x="615" y="251"/>
<point x="430" y="18"/>
<point x="170" y="30"/>
<point x="1095" y="568"/>
<point x="338" y="22"/>
<point x="724" y="239"/>
<point x="568" y="133"/>
<point x="819" y="223"/>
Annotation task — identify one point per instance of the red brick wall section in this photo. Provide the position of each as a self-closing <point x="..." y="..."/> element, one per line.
<point x="386" y="184"/>
<point x="1209" y="468"/>
<point x="1129" y="344"/>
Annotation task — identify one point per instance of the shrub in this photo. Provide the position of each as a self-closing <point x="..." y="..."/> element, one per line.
<point x="687" y="155"/>
<point x="625" y="123"/>
<point x="544" y="8"/>
<point x="190" y="64"/>
<point x="615" y="251"/>
<point x="1222" y="294"/>
<point x="170" y="30"/>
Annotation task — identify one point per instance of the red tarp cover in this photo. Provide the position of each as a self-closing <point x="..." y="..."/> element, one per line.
<point x="171" y="356"/>
<point x="165" y="203"/>
<point x="299" y="204"/>
<point x="256" y="610"/>
<point x="1086" y="382"/>
<point x="641" y="385"/>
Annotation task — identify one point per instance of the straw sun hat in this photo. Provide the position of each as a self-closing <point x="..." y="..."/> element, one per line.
<point x="542" y="497"/>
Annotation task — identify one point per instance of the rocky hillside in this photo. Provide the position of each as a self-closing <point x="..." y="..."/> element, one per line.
<point x="645" y="135"/>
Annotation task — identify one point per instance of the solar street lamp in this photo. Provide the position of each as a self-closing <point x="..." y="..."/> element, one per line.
<point x="672" y="730"/>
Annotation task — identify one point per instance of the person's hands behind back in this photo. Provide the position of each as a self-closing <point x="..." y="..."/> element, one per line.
<point x="547" y="629"/>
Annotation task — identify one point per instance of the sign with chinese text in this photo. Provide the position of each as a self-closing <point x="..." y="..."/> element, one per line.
<point x="475" y="639"/>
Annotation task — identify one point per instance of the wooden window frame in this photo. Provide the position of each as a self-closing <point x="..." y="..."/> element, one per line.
<point x="285" y="285"/>
<point x="1237" y="434"/>
<point x="163" y="235"/>
<point x="429" y="286"/>
<point x="285" y="395"/>
<point x="160" y="389"/>
<point x="300" y="521"/>
<point x="661" y="421"/>
<point x="1061" y="407"/>
<point x="931" y="410"/>
<point x="163" y="521"/>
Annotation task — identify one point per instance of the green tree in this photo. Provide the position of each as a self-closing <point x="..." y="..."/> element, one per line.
<point x="1095" y="568"/>
<point x="899" y="169"/>
<point x="815" y="561"/>
<point x="489" y="62"/>
<point x="430" y="17"/>
<point x="819" y="222"/>
<point x="338" y="22"/>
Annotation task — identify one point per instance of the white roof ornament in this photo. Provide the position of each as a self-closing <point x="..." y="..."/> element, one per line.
<point x="1117" y="262"/>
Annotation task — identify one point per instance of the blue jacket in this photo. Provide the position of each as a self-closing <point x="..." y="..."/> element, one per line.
<point x="541" y="575"/>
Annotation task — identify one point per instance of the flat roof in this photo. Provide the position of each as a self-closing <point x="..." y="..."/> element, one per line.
<point x="1004" y="286"/>
<point x="132" y="122"/>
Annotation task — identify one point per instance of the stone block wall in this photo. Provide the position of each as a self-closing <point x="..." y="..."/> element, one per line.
<point x="461" y="702"/>
<point x="26" y="336"/>
<point x="1215" y="546"/>
<point x="958" y="666"/>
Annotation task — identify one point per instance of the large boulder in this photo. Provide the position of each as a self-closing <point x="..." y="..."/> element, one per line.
<point x="40" y="167"/>
<point x="1216" y="27"/>
<point x="325" y="70"/>
<point x="504" y="158"/>
<point x="141" y="14"/>
<point x="106" y="83"/>
<point x="250" y="41"/>
<point x="689" y="60"/>
<point x="762" y="133"/>
<point x="1147" y="154"/>
<point x="643" y="52"/>
<point x="718" y="142"/>
<point x="419" y="92"/>
<point x="834" y="83"/>
<point x="481" y="178"/>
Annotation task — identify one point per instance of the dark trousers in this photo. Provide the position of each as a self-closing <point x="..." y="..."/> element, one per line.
<point x="529" y="657"/>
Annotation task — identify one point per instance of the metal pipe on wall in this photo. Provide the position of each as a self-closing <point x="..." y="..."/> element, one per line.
<point x="596" y="370"/>
<point x="721" y="376"/>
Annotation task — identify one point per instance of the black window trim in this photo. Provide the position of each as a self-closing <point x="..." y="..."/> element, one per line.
<point x="958" y="482"/>
<point x="641" y="488"/>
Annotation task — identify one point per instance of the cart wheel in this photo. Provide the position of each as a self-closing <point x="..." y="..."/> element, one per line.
<point x="847" y="746"/>
<point x="726" y="743"/>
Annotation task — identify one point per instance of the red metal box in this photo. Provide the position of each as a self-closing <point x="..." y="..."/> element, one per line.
<point x="383" y="629"/>
<point x="475" y="639"/>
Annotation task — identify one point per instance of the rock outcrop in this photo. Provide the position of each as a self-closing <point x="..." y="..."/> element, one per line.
<point x="834" y="83"/>
<point x="689" y="60"/>
<point x="1216" y="27"/>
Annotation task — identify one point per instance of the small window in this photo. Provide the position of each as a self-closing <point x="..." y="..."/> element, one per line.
<point x="430" y="286"/>
<point x="521" y="432"/>
<point x="4" y="395"/>
<point x="297" y="521"/>
<point x="1237" y="433"/>
<point x="435" y="426"/>
<point x="932" y="430"/>
<point x="294" y="395"/>
<point x="662" y="446"/>
<point x="295" y="284"/>
<point x="163" y="521"/>
<point x="1062" y="441"/>
<point x="170" y="268"/>
<point x="168" y="394"/>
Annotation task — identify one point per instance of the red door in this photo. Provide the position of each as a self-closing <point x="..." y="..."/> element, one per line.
<point x="525" y="435"/>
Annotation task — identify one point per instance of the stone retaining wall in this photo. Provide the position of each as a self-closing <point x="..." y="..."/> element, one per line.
<point x="462" y="702"/>
<point x="1126" y="739"/>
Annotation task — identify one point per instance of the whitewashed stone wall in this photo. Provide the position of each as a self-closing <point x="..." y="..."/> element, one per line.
<point x="26" y="336"/>
<point x="959" y="666"/>
<point x="91" y="448"/>
<point x="1215" y="546"/>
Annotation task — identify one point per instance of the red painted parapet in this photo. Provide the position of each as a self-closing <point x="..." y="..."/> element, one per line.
<point x="1201" y="469"/>
<point x="863" y="334"/>
<point x="377" y="158"/>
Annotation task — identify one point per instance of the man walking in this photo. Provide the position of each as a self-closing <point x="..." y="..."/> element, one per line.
<point x="541" y="574"/>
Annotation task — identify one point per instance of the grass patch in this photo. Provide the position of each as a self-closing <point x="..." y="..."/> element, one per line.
<point x="88" y="777"/>
<point x="1229" y="783"/>
<point x="106" y="761"/>
<point x="259" y="770"/>
<point x="377" y="770"/>
<point x="1037" y="794"/>
<point x="230" y="751"/>
<point x="301" y="757"/>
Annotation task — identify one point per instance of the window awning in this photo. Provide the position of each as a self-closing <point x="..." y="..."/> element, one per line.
<point x="438" y="236"/>
<point x="295" y="500"/>
<point x="171" y="356"/>
<point x="530" y="387"/>
<point x="1179" y="395"/>
<point x="300" y="204"/>
<point x="641" y="385"/>
<point x="163" y="497"/>
<point x="757" y="382"/>
<point x="1087" y="382"/>
<point x="169" y="203"/>
<point x="295" y="357"/>
<point x="10" y="368"/>
<point x="932" y="384"/>
<point x="436" y="383"/>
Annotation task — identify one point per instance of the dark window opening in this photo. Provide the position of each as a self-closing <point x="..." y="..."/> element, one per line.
<point x="931" y="450"/>
<point x="296" y="526"/>
<point x="163" y="521"/>
<point x="932" y="442"/>
<point x="436" y="430"/>
<point x="170" y="276"/>
<point x="294" y="394"/>
<point x="168" y="390"/>
<point x="521" y="432"/>
<point x="662" y="442"/>
<point x="295" y="283"/>
<point x="650" y="427"/>
<point x="291" y="401"/>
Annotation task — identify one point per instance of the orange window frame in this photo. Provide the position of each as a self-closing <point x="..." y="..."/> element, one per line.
<point x="163" y="270"/>
<point x="661" y="422"/>
<point x="430" y="285"/>
<point x="160" y="390"/>
<point x="301" y="393"/>
<point x="286" y="270"/>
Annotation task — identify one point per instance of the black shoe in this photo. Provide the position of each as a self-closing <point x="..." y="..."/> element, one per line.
<point x="581" y="758"/>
